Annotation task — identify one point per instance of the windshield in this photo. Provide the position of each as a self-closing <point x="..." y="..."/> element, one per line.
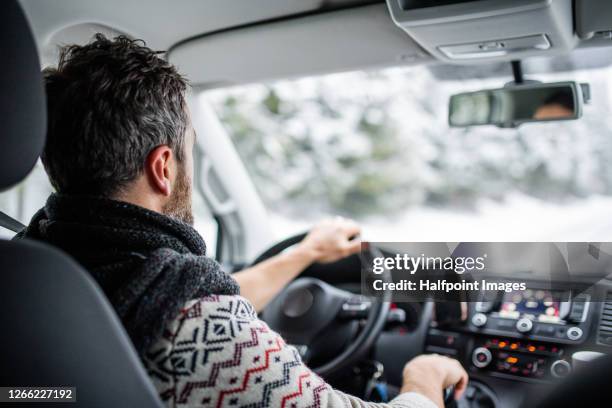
<point x="376" y="146"/>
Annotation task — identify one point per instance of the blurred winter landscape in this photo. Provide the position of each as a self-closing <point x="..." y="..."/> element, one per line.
<point x="376" y="146"/>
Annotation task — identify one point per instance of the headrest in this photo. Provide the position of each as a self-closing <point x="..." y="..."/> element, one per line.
<point x="23" y="119"/>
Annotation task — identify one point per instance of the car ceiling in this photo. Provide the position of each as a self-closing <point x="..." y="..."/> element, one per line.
<point x="221" y="43"/>
<point x="327" y="33"/>
<point x="161" y="23"/>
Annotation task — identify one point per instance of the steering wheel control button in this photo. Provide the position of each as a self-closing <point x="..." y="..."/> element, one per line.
<point x="574" y="333"/>
<point x="396" y="316"/>
<point x="481" y="357"/>
<point x="356" y="308"/>
<point x="479" y="319"/>
<point x="524" y="325"/>
<point x="560" y="368"/>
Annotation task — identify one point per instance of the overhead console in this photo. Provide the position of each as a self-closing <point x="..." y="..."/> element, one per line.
<point x="594" y="22"/>
<point x="463" y="32"/>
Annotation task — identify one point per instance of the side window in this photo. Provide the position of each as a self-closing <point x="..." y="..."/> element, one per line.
<point x="24" y="199"/>
<point x="205" y="223"/>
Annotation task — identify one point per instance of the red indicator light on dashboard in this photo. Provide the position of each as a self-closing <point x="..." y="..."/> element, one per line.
<point x="531" y="349"/>
<point x="502" y="344"/>
<point x="514" y="346"/>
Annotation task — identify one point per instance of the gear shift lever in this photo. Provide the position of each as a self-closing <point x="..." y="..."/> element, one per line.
<point x="449" y="397"/>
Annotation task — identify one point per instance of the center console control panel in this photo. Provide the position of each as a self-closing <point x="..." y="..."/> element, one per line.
<point x="509" y="357"/>
<point x="524" y="336"/>
<point x="538" y="315"/>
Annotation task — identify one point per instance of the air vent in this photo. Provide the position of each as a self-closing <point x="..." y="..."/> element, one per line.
<point x="580" y="307"/>
<point x="605" y="324"/>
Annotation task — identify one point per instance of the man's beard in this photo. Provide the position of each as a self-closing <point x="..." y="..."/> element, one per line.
<point x="179" y="205"/>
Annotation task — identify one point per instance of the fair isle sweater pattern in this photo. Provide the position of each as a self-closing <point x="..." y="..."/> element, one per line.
<point x="217" y="353"/>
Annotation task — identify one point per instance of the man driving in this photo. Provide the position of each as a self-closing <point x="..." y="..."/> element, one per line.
<point x="119" y="154"/>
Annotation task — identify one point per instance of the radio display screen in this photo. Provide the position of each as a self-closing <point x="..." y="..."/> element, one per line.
<point x="541" y="305"/>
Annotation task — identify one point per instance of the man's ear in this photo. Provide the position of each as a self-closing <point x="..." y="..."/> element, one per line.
<point x="159" y="169"/>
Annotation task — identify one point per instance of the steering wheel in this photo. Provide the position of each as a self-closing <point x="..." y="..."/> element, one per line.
<point x="322" y="321"/>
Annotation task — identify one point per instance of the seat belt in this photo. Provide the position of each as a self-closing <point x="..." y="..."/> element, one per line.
<point x="10" y="223"/>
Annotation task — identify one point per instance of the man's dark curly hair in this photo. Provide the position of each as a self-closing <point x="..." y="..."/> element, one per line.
<point x="110" y="103"/>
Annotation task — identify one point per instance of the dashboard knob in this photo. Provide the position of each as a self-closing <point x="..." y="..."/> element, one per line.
<point x="574" y="333"/>
<point x="560" y="368"/>
<point x="524" y="325"/>
<point x="481" y="357"/>
<point x="479" y="319"/>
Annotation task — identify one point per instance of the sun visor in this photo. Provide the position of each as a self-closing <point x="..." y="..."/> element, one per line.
<point x="464" y="32"/>
<point x="343" y="40"/>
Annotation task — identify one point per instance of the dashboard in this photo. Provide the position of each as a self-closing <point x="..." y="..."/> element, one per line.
<point x="512" y="344"/>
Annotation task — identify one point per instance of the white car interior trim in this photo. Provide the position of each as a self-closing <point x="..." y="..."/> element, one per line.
<point x="243" y="212"/>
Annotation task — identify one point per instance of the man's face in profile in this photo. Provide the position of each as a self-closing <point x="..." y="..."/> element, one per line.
<point x="179" y="204"/>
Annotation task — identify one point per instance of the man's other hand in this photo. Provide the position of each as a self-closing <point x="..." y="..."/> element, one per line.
<point x="332" y="239"/>
<point x="430" y="375"/>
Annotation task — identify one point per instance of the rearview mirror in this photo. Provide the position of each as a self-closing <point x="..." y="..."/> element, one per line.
<point x="516" y="104"/>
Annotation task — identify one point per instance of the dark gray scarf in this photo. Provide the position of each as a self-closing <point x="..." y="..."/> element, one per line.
<point x="149" y="265"/>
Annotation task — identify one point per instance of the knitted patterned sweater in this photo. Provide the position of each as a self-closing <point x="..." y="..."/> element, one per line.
<point x="217" y="353"/>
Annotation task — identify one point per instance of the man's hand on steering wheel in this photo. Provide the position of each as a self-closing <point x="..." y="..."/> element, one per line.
<point x="332" y="240"/>
<point x="327" y="241"/>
